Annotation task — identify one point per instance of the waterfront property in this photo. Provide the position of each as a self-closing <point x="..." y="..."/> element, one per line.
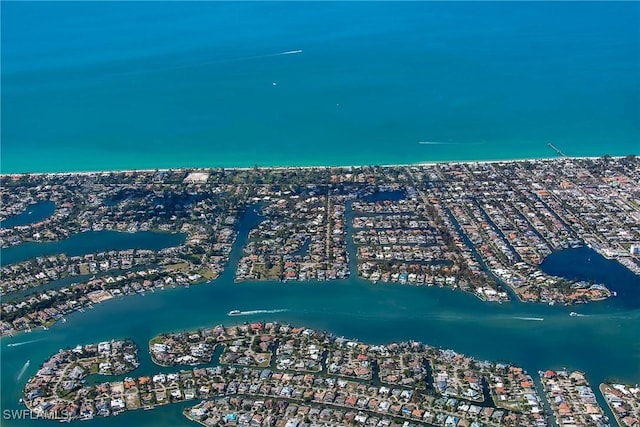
<point x="327" y="378"/>
<point x="572" y="400"/>
<point x="57" y="391"/>
<point x="483" y="228"/>
<point x="303" y="237"/>
<point x="624" y="402"/>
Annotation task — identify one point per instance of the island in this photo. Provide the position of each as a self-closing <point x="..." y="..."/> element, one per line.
<point x="268" y="373"/>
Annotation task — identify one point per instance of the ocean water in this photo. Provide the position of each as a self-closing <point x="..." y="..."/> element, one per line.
<point x="117" y="85"/>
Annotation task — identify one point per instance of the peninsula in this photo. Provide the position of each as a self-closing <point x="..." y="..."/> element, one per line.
<point x="482" y="228"/>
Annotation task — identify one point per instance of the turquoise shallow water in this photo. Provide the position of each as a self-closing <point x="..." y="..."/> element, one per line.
<point x="96" y="85"/>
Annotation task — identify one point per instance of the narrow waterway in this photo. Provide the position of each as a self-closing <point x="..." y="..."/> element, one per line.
<point x="70" y="280"/>
<point x="91" y="242"/>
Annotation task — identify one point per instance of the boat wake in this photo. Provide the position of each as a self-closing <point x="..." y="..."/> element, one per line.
<point x="16" y="344"/>
<point x="205" y="62"/>
<point x="23" y="370"/>
<point x="435" y="143"/>
<point x="531" y="319"/>
<point x="251" y="312"/>
<point x="268" y="55"/>
<point x="290" y="52"/>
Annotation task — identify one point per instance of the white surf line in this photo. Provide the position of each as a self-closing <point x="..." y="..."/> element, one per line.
<point x="16" y="344"/>
<point x="536" y="319"/>
<point x="23" y="370"/>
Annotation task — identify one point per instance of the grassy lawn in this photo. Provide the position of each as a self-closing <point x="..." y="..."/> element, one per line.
<point x="156" y="340"/>
<point x="182" y="266"/>
<point x="207" y="274"/>
<point x="268" y="274"/>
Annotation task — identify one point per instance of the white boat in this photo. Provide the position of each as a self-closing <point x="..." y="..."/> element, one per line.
<point x="234" y="312"/>
<point x="573" y="314"/>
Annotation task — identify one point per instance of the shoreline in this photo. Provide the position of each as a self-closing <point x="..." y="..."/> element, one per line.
<point x="310" y="167"/>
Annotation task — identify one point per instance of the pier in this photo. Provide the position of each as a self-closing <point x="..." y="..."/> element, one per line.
<point x="556" y="149"/>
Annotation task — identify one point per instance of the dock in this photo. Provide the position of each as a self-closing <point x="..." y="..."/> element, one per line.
<point x="556" y="149"/>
